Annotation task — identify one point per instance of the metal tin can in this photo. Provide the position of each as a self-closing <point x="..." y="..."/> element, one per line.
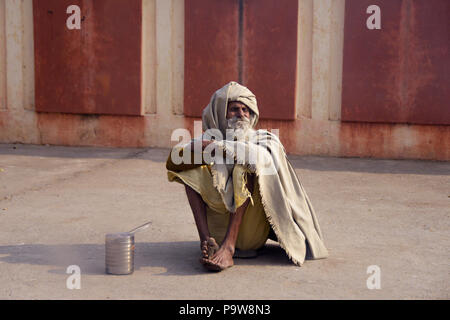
<point x="119" y="253"/>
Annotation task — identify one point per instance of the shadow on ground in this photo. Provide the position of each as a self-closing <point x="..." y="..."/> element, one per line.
<point x="178" y="258"/>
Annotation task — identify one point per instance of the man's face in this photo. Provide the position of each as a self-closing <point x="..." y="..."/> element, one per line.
<point x="238" y="110"/>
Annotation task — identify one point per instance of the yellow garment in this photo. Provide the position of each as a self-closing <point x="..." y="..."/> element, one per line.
<point x="254" y="228"/>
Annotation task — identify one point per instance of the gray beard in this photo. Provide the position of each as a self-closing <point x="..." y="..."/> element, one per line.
<point x="241" y="128"/>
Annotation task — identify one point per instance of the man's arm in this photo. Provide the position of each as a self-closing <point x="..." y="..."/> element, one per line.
<point x="171" y="166"/>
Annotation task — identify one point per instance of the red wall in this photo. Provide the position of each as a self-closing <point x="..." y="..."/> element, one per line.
<point x="211" y="50"/>
<point x="94" y="70"/>
<point x="254" y="43"/>
<point x="400" y="73"/>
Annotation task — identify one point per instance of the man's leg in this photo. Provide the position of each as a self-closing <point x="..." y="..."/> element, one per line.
<point x="198" y="207"/>
<point x="208" y="245"/>
<point x="223" y="258"/>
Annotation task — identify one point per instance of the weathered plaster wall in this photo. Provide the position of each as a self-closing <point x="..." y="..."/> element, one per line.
<point x="17" y="117"/>
<point x="2" y="57"/>
<point x="317" y="129"/>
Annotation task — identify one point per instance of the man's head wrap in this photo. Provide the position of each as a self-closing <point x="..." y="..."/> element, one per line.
<point x="215" y="114"/>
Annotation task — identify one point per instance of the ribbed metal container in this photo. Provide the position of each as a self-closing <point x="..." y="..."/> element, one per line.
<point x="119" y="253"/>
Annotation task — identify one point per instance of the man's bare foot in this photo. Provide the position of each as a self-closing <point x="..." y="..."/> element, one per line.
<point x="221" y="260"/>
<point x="209" y="248"/>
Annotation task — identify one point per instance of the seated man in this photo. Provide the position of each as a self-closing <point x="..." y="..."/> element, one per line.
<point x="243" y="190"/>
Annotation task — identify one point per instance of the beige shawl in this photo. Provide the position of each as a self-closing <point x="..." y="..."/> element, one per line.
<point x="286" y="204"/>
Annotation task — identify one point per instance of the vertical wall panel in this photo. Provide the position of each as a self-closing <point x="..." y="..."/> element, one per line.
<point x="371" y="65"/>
<point x="270" y="55"/>
<point x="304" y="59"/>
<point x="2" y="57"/>
<point x="148" y="56"/>
<point x="400" y="73"/>
<point x="177" y="58"/>
<point x="428" y="67"/>
<point x="211" y="50"/>
<point x="28" y="56"/>
<point x="95" y="70"/>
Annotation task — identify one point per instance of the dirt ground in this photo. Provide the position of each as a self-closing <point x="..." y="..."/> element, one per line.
<point x="58" y="203"/>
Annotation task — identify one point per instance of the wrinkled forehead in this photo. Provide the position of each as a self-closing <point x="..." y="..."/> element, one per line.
<point x="237" y="103"/>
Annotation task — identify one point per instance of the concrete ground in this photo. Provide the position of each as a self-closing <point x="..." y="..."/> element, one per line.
<point x="57" y="204"/>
